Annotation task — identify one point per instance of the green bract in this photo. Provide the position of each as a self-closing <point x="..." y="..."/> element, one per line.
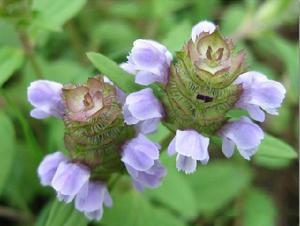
<point x="94" y="126"/>
<point x="200" y="90"/>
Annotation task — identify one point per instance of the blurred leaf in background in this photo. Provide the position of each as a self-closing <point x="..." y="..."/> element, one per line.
<point x="48" y="39"/>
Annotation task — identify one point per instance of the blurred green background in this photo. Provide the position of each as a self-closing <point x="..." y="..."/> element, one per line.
<point x="48" y="39"/>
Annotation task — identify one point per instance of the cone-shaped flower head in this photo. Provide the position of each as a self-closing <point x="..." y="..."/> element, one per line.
<point x="94" y="125"/>
<point x="200" y="90"/>
<point x="149" y="61"/>
<point x="259" y="93"/>
<point x="244" y="134"/>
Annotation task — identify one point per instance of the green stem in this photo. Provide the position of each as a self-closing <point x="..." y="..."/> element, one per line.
<point x="113" y="181"/>
<point x="29" y="51"/>
<point x="28" y="134"/>
<point x="75" y="40"/>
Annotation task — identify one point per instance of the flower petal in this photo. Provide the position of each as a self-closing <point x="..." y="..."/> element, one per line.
<point x="48" y="167"/>
<point x="186" y="164"/>
<point x="202" y="26"/>
<point x="70" y="178"/>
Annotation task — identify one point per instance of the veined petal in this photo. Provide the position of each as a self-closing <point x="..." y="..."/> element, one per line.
<point x="191" y="144"/>
<point x="186" y="164"/>
<point x="48" y="167"/>
<point x="70" y="178"/>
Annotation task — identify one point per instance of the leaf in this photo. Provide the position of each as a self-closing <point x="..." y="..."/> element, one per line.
<point x="182" y="200"/>
<point x="65" y="215"/>
<point x="259" y="209"/>
<point x="176" y="37"/>
<point x="116" y="74"/>
<point x="217" y="183"/>
<point x="271" y="163"/>
<point x="10" y="60"/>
<point x="132" y="209"/>
<point x="275" y="148"/>
<point x="7" y="144"/>
<point x="52" y="14"/>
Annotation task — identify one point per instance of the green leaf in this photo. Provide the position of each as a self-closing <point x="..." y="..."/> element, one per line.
<point x="182" y="200"/>
<point x="176" y="37"/>
<point x="259" y="209"/>
<point x="275" y="148"/>
<point x="271" y="163"/>
<point x="65" y="215"/>
<point x="10" y="60"/>
<point x="217" y="183"/>
<point x="7" y="150"/>
<point x="112" y="70"/>
<point x="52" y="14"/>
<point x="133" y="209"/>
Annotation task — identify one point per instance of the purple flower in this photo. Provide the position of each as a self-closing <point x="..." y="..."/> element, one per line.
<point x="149" y="61"/>
<point x="242" y="133"/>
<point x="90" y="199"/>
<point x="143" y="109"/>
<point x="69" y="179"/>
<point x="140" y="156"/>
<point x="48" y="167"/>
<point x="190" y="147"/>
<point x="45" y="96"/>
<point x="202" y="26"/>
<point x="259" y="93"/>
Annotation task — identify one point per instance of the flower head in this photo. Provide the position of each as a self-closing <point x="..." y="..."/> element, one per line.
<point x="140" y="157"/>
<point x="259" y="93"/>
<point x="45" y="96"/>
<point x="190" y="147"/>
<point x="244" y="134"/>
<point x="149" y="61"/>
<point x="143" y="109"/>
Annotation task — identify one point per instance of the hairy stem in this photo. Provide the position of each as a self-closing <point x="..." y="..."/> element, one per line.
<point x="29" y="51"/>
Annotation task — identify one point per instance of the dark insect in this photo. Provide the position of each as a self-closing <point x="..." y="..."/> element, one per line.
<point x="204" y="98"/>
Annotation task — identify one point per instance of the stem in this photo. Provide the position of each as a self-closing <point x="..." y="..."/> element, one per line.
<point x="75" y="40"/>
<point x="113" y="182"/>
<point x="16" y="215"/>
<point x="29" y="51"/>
<point x="29" y="136"/>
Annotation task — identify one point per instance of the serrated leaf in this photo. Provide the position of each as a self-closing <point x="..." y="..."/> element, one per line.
<point x="10" y="60"/>
<point x="132" y="209"/>
<point x="65" y="215"/>
<point x="7" y="144"/>
<point x="259" y="209"/>
<point x="52" y="14"/>
<point x="217" y="183"/>
<point x="272" y="147"/>
<point x="112" y="70"/>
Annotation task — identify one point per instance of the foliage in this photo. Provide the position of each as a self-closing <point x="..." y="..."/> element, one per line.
<point x="67" y="41"/>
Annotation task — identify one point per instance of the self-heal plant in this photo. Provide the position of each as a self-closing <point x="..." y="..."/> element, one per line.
<point x="99" y="142"/>
<point x="205" y="81"/>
